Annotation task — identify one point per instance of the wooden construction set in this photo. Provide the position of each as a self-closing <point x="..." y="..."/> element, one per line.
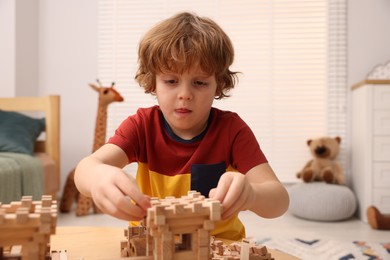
<point x="25" y="228"/>
<point x="175" y="228"/>
<point x="179" y="228"/>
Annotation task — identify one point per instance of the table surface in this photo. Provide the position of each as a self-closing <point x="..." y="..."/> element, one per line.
<point x="96" y="243"/>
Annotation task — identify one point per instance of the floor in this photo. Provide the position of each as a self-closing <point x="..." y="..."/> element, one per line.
<point x="256" y="227"/>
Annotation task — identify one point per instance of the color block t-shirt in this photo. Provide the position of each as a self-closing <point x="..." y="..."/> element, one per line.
<point x="171" y="166"/>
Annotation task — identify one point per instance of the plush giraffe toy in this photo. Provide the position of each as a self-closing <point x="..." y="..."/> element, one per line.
<point x="107" y="95"/>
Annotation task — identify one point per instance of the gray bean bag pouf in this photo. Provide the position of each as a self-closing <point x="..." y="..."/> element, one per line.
<point x="321" y="201"/>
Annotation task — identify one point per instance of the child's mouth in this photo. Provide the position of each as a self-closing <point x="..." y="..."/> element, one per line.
<point x="183" y="111"/>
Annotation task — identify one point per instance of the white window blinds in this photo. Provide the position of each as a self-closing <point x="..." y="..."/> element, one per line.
<point x="292" y="55"/>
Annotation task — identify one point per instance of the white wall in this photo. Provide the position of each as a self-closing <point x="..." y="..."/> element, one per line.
<point x="7" y="48"/>
<point x="19" y="47"/>
<point x="26" y="42"/>
<point x="368" y="36"/>
<point x="67" y="61"/>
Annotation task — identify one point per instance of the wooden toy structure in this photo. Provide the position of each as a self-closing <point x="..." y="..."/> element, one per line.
<point x="179" y="228"/>
<point x="25" y="228"/>
<point x="176" y="228"/>
<point x="244" y="250"/>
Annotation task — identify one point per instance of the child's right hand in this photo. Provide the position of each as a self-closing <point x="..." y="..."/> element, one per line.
<point x="117" y="194"/>
<point x="101" y="177"/>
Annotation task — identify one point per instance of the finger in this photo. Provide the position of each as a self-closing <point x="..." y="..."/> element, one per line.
<point x="114" y="201"/>
<point x="130" y="188"/>
<point x="237" y="197"/>
<point x="237" y="206"/>
<point x="232" y="211"/>
<point x="212" y="193"/>
<point x="222" y="188"/>
<point x="111" y="209"/>
<point x="127" y="206"/>
<point x="235" y="190"/>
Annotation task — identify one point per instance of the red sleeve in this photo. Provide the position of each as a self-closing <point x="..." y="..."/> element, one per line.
<point x="238" y="139"/>
<point x="130" y="136"/>
<point x="246" y="152"/>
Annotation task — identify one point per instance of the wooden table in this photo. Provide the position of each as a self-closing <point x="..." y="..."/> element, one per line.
<point x="97" y="243"/>
<point x="88" y="242"/>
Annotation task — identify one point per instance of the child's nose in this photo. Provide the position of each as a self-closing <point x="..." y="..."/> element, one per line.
<point x="185" y="92"/>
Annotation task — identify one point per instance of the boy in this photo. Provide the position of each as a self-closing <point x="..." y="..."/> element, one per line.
<point x="184" y="143"/>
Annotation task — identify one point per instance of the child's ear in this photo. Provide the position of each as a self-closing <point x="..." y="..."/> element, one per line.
<point x="218" y="91"/>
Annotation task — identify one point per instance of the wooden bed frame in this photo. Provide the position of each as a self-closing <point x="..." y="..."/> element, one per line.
<point x="50" y="105"/>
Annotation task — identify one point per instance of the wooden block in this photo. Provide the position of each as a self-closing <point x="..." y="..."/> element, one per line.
<point x="21" y="215"/>
<point x="235" y="247"/>
<point x="45" y="228"/>
<point x="244" y="249"/>
<point x="63" y="255"/>
<point x="197" y="207"/>
<point x="203" y="238"/>
<point x="169" y="212"/>
<point x="46" y="201"/>
<point x="125" y="253"/>
<point x="167" y="246"/>
<point x="193" y="194"/>
<point x="218" y="247"/>
<point x="215" y="210"/>
<point x="13" y="206"/>
<point x="123" y="243"/>
<point x="203" y="252"/>
<point x="178" y="209"/>
<point x="45" y="215"/>
<point x="2" y="215"/>
<point x="167" y="236"/>
<point x="55" y="255"/>
<point x="208" y="225"/>
<point x="159" y="210"/>
<point x="16" y="250"/>
<point x="26" y="202"/>
<point x="260" y="249"/>
<point x="125" y="248"/>
<point x="160" y="220"/>
<point x="154" y="201"/>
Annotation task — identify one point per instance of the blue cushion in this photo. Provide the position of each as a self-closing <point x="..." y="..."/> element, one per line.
<point x="321" y="201"/>
<point x="18" y="132"/>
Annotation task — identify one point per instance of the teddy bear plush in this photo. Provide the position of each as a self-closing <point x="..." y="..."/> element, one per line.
<point x="323" y="166"/>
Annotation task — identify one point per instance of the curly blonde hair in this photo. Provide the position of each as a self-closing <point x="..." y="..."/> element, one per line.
<point x="182" y="41"/>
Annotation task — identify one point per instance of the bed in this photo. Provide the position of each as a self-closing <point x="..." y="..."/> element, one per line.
<point x="29" y="147"/>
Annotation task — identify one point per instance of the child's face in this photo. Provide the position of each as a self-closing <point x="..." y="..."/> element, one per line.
<point x="185" y="100"/>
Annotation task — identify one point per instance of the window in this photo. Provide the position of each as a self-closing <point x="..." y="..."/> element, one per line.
<point x="292" y="55"/>
<point x="183" y="242"/>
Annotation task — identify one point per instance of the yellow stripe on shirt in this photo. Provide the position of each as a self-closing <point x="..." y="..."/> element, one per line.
<point x="161" y="186"/>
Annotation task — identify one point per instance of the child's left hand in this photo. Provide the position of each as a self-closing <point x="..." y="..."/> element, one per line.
<point x="235" y="193"/>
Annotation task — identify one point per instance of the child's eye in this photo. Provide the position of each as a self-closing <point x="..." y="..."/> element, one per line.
<point x="200" y="83"/>
<point x="170" y="81"/>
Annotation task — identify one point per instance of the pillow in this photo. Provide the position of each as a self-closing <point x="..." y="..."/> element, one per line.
<point x="320" y="201"/>
<point x="18" y="132"/>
